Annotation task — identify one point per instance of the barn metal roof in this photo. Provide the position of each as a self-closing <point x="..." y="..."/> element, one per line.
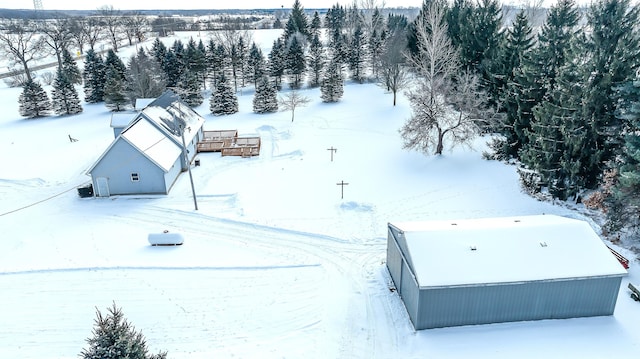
<point x="473" y="252"/>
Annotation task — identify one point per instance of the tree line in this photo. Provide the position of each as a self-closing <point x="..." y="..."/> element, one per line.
<point x="560" y="98"/>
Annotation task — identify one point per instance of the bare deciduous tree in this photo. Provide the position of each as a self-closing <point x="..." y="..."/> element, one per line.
<point x="78" y="34"/>
<point x="393" y="71"/>
<point x="93" y="31"/>
<point x="134" y="26"/>
<point x="111" y="21"/>
<point x="446" y="102"/>
<point x="21" y="45"/>
<point x="291" y="101"/>
<point x="57" y="35"/>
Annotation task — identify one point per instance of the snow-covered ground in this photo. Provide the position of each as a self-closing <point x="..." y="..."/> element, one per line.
<point x="275" y="264"/>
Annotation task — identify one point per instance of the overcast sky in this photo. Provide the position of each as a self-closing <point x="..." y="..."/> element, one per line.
<point x="189" y="4"/>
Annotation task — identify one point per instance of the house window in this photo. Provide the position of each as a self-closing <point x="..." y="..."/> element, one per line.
<point x="135" y="177"/>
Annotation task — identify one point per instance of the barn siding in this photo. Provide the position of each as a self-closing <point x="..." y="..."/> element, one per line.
<point x="402" y="275"/>
<point x="454" y="306"/>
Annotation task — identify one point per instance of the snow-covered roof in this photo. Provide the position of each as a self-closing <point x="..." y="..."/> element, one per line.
<point x="141" y="103"/>
<point x="171" y="114"/>
<point x="121" y="119"/>
<point x="152" y="143"/>
<point x="502" y="250"/>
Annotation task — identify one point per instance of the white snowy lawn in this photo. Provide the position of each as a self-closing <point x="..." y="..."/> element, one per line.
<point x="275" y="264"/>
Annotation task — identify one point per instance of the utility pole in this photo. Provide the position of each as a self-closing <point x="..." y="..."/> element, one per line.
<point x="333" y="150"/>
<point x="342" y="184"/>
<point x="186" y="159"/>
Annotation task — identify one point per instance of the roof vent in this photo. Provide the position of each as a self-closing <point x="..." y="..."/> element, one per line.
<point x="543" y="244"/>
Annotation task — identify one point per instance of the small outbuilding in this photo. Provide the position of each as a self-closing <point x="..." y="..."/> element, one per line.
<point x="479" y="271"/>
<point x="147" y="156"/>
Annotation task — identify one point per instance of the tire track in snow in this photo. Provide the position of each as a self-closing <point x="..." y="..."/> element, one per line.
<point x="355" y="263"/>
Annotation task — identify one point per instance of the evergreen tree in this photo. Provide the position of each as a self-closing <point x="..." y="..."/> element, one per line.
<point x="377" y="39"/>
<point x="614" y="48"/>
<point x="173" y="69"/>
<point x="145" y="78"/>
<point x="480" y="36"/>
<point x="295" y="62"/>
<point x="33" y="101"/>
<point x="64" y="95"/>
<point x="70" y="68"/>
<point x="215" y="60"/>
<point x="624" y="200"/>
<point x="277" y="64"/>
<point x="503" y="87"/>
<point x="256" y="63"/>
<point x="537" y="75"/>
<point x="94" y="77"/>
<point x="240" y="60"/>
<point x="332" y="87"/>
<point x="316" y="60"/>
<point x="557" y="132"/>
<point x="195" y="62"/>
<point x="189" y="89"/>
<point x="315" y="27"/>
<point x="265" y="99"/>
<point x="115" y="338"/>
<point x="297" y="23"/>
<point x="115" y="97"/>
<point x="357" y="55"/>
<point x="159" y="51"/>
<point x="223" y="99"/>
<point x="114" y="61"/>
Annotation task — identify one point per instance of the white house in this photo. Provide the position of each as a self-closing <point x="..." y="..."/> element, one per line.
<point x="147" y="156"/>
<point x="478" y="271"/>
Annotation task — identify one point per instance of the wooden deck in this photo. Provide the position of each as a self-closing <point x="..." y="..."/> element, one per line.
<point x="243" y="146"/>
<point x="229" y="144"/>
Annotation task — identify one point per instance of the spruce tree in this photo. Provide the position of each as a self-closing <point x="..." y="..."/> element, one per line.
<point x="503" y="87"/>
<point x="277" y="63"/>
<point x="33" y="101"/>
<point x="195" y="60"/>
<point x="159" y="51"/>
<point x="556" y="136"/>
<point x="480" y="36"/>
<point x="115" y="338"/>
<point x="624" y="200"/>
<point x="332" y="87"/>
<point x="64" y="96"/>
<point x="256" y="63"/>
<point x="297" y="22"/>
<point x="70" y="68"/>
<point x="357" y="54"/>
<point x="94" y="77"/>
<point x="189" y="89"/>
<point x="295" y="62"/>
<point x="614" y="48"/>
<point x="223" y="99"/>
<point x="115" y="97"/>
<point x="216" y="58"/>
<point x="316" y="60"/>
<point x="538" y="73"/>
<point x="315" y="27"/>
<point x="145" y="78"/>
<point x="114" y="61"/>
<point x="265" y="99"/>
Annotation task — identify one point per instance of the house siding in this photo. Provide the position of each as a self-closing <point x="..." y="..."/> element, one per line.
<point x="124" y="160"/>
